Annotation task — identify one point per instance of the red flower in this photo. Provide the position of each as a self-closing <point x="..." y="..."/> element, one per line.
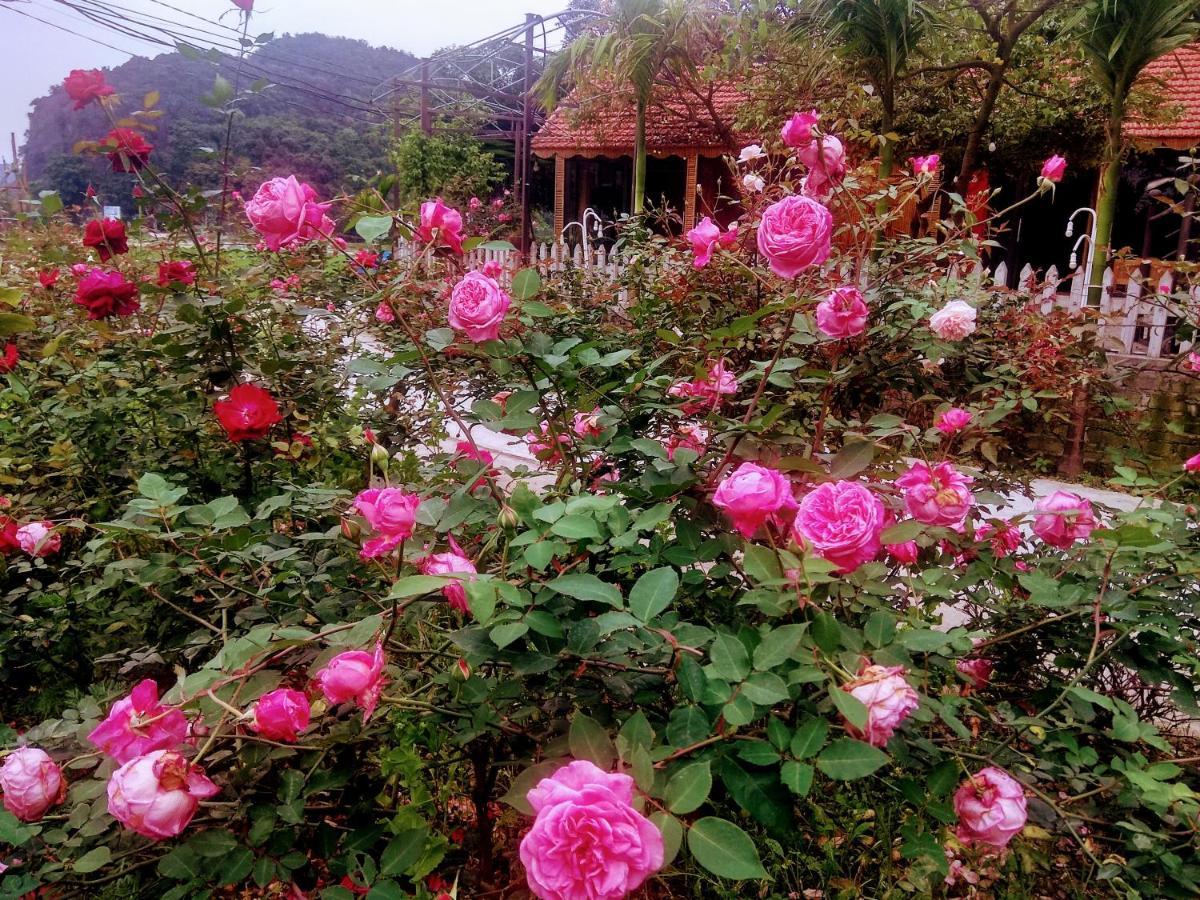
<point x="368" y="259"/>
<point x="91" y="192"/>
<point x="8" y="362"/>
<point x="104" y="293"/>
<point x="107" y="236"/>
<point x="48" y="278"/>
<point x="128" y="150"/>
<point x="249" y="412"/>
<point x="85" y="85"/>
<point x="176" y="272"/>
<point x="138" y="193"/>
<point x="8" y="535"/>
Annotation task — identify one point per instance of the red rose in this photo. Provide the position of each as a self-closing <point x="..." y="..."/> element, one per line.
<point x="249" y="412"/>
<point x="85" y="85"/>
<point x="48" y="278"/>
<point x="107" y="236"/>
<point x="176" y="272"/>
<point x="8" y="535"/>
<point x="9" y="361"/>
<point x="128" y="150"/>
<point x="104" y="293"/>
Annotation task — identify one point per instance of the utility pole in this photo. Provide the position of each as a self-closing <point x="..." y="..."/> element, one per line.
<point x="426" y="113"/>
<point x="524" y="162"/>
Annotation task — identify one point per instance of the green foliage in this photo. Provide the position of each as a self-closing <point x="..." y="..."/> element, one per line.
<point x="454" y="167"/>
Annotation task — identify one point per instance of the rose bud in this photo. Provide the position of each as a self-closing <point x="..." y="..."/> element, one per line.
<point x="31" y="782"/>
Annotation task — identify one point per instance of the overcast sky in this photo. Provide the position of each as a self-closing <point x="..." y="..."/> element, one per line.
<point x="35" y="55"/>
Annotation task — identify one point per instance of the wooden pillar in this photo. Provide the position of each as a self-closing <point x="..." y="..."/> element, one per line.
<point x="560" y="194"/>
<point x="689" y="192"/>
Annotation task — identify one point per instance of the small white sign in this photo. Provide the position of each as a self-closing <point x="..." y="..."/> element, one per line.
<point x="112" y="212"/>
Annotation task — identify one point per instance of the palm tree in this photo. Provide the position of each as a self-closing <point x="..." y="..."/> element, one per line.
<point x="1120" y="38"/>
<point x="634" y="44"/>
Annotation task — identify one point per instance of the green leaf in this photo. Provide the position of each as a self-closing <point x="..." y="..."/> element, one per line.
<point x="778" y="646"/>
<point x="809" y="738"/>
<point x="765" y="689"/>
<point x="481" y="597"/>
<point x="826" y="632"/>
<point x="588" y="740"/>
<point x="653" y="592"/>
<point x="847" y="759"/>
<point x="235" y="865"/>
<point x="672" y="834"/>
<point x="526" y="781"/>
<point x="687" y="725"/>
<point x="181" y="864"/>
<point x="525" y="284"/>
<point x="851" y="708"/>
<point x="880" y="628"/>
<point x="724" y="849"/>
<point x="11" y="323"/>
<point x="899" y="534"/>
<point x="503" y="635"/>
<point x="497" y="245"/>
<point x="416" y="585"/>
<point x="729" y="658"/>
<point x="797" y="776"/>
<point x="577" y="528"/>
<point x="851" y="459"/>
<point x="588" y="588"/>
<point x="404" y="850"/>
<point x="758" y="793"/>
<point x="688" y="788"/>
<point x="372" y="228"/>
<point x="92" y="860"/>
<point x="213" y="842"/>
<point x="51" y="202"/>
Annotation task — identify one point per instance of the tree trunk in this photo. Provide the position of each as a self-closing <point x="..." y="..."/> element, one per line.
<point x="1106" y="201"/>
<point x="887" y="152"/>
<point x="979" y="128"/>
<point x="639" y="159"/>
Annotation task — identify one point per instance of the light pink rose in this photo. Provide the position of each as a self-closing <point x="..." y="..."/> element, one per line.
<point x="925" y="165"/>
<point x="477" y="306"/>
<point x="587" y="424"/>
<point x="937" y="496"/>
<point x="1054" y="168"/>
<point x="354" y="676"/>
<point x="139" y="724"/>
<point x="688" y="437"/>
<point x="990" y="807"/>
<point x="384" y="314"/>
<point x="282" y="714"/>
<point x="392" y="515"/>
<point x="39" y="538"/>
<point x="156" y="795"/>
<point x="1004" y="538"/>
<point x="953" y="420"/>
<point x="542" y="443"/>
<point x="1192" y="463"/>
<point x="825" y="157"/>
<point x="1062" y="518"/>
<point x="795" y="234"/>
<point x="750" y="153"/>
<point x="588" y="842"/>
<point x="798" y="130"/>
<point x="705" y="238"/>
<point x="954" y="321"/>
<point x="474" y="203"/>
<point x="752" y="495"/>
<point x="285" y="213"/>
<point x="977" y="670"/>
<point x="843" y="313"/>
<point x="841" y="521"/>
<point x="889" y="700"/>
<point x="31" y="782"/>
<point x="440" y="224"/>
<point x="453" y="563"/>
<point x="752" y="183"/>
<point x="706" y="392"/>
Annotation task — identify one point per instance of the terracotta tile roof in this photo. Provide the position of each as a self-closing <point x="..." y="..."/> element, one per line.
<point x="673" y="123"/>
<point x="1176" y="79"/>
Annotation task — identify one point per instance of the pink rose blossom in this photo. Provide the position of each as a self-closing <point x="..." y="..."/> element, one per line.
<point x="1192" y="362"/>
<point x="798" y="130"/>
<point x="990" y="807"/>
<point x="587" y="425"/>
<point x="752" y="495"/>
<point x="1004" y="538"/>
<point x="825" y="158"/>
<point x="354" y="676"/>
<point x="474" y="203"/>
<point x="925" y="165"/>
<point x="753" y="184"/>
<point x="704" y="239"/>
<point x="1054" y="168"/>
<point x="281" y="715"/>
<point x="906" y="553"/>
<point x="795" y="234"/>
<point x="1192" y="463"/>
<point x="889" y="700"/>
<point x="843" y="313"/>
<point x="977" y="670"/>
<point x="285" y="213"/>
<point x="1062" y="518"/>
<point x="477" y="306"/>
<point x="706" y="392"/>
<point x="588" y="842"/>
<point x="139" y="724"/>
<point x="841" y="521"/>
<point x="440" y="224"/>
<point x="384" y="314"/>
<point x="156" y="795"/>
<point x="937" y="496"/>
<point x="954" y="321"/>
<point x="453" y="563"/>
<point x="31" y="783"/>
<point x="688" y="437"/>
<point x="543" y="445"/>
<point x="39" y="539"/>
<point x="392" y="515"/>
<point x="750" y="153"/>
<point x="493" y="269"/>
<point x="953" y="420"/>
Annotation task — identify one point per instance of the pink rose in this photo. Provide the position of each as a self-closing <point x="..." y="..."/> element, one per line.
<point x="1054" y="168"/>
<point x="474" y="203"/>
<point x="925" y="165"/>
<point x="688" y="437"/>
<point x="977" y="671"/>
<point x="156" y="795"/>
<point x="587" y="425"/>
<point x="493" y="269"/>
<point x="1192" y="463"/>
<point x="31" y="782"/>
<point x="440" y="224"/>
<point x="990" y="807"/>
<point x="542" y="443"/>
<point x="477" y="306"/>
<point x="706" y="392"/>
<point x="1004" y="538"/>
<point x="937" y="496"/>
<point x="139" y="724"/>
<point x="392" y="515"/>
<point x="704" y="239"/>
<point x="1062" y="518"/>
<point x="889" y="700"/>
<point x="841" y="521"/>
<point x="825" y="158"/>
<point x="285" y="213"/>
<point x="588" y="841"/>
<point x="384" y="314"/>
<point x="1192" y="362"/>
<point x="453" y="563"/>
<point x="39" y="538"/>
<point x="906" y="553"/>
<point x="281" y="715"/>
<point x="798" y="130"/>
<point x="954" y="321"/>
<point x="794" y="235"/>
<point x="354" y="676"/>
<point x="752" y="495"/>
<point x="953" y="420"/>
<point x="843" y="313"/>
<point x="750" y="153"/>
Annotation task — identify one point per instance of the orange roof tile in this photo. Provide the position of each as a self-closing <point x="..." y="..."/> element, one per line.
<point x="1176" y="78"/>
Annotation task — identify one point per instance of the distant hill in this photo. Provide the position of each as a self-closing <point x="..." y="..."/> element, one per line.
<point x="310" y="119"/>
